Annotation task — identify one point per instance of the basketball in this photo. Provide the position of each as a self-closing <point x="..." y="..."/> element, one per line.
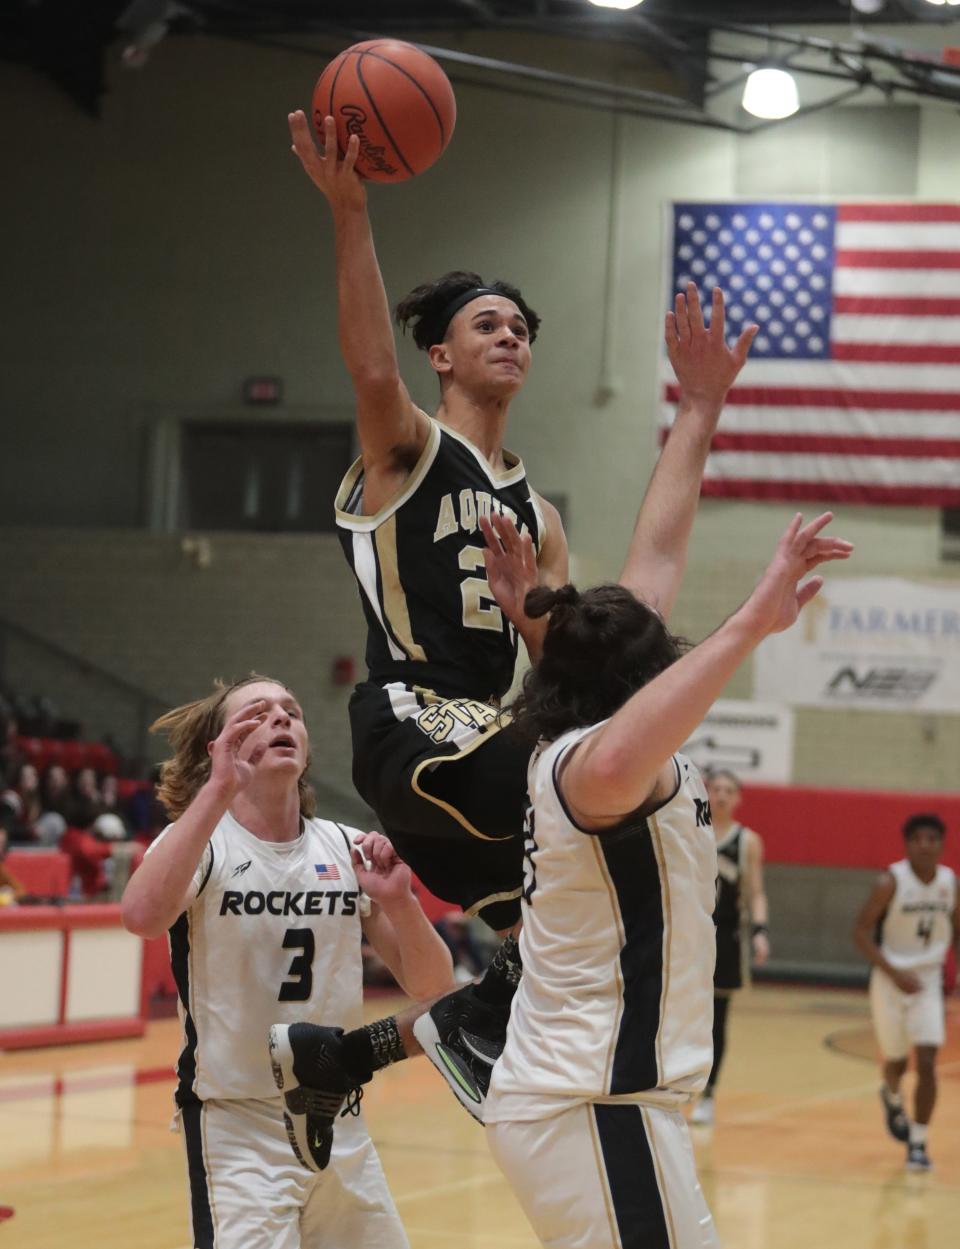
<point x="395" y="99"/>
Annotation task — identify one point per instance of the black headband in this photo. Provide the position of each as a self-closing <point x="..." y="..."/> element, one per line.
<point x="458" y="302"/>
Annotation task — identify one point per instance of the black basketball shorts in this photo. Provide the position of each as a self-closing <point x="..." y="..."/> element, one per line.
<point x="450" y="788"/>
<point x="733" y="969"/>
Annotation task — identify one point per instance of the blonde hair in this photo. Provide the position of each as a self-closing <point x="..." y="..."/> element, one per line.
<point x="188" y="729"/>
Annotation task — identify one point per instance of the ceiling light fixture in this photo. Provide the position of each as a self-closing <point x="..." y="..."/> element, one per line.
<point x="627" y="4"/>
<point x="771" y="93"/>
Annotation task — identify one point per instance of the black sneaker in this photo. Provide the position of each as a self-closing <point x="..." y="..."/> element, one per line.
<point x="308" y="1070"/>
<point x="463" y="1037"/>
<point x="898" y="1125"/>
<point x="917" y="1159"/>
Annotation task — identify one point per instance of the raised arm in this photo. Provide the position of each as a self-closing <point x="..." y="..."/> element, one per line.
<point x="706" y="369"/>
<point x="514" y="568"/>
<point x="615" y="769"/>
<point x="397" y="927"/>
<point x="392" y="429"/>
<point x="160" y="888"/>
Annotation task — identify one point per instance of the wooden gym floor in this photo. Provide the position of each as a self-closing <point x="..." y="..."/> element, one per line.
<point x="798" y="1157"/>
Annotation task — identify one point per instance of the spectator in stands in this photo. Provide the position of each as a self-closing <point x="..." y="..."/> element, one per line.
<point x="9" y="808"/>
<point x="10" y="888"/>
<point x="56" y="805"/>
<point x="23" y="797"/>
<point x="125" y="854"/>
<point x="110" y="804"/>
<point x="55" y="790"/>
<point x="86" y="789"/>
<point x="88" y="853"/>
<point x="145" y="811"/>
<point x="10" y="756"/>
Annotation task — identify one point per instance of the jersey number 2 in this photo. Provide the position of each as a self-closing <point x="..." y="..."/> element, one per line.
<point x="301" y="967"/>
<point x="480" y="610"/>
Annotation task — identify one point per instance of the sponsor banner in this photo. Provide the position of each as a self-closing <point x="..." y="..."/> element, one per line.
<point x="875" y="643"/>
<point x="753" y="740"/>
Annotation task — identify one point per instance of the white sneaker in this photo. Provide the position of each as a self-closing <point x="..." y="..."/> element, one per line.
<point x="702" y="1116"/>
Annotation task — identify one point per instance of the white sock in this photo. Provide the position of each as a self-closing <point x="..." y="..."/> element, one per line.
<point x="918" y="1134"/>
<point x="893" y="1098"/>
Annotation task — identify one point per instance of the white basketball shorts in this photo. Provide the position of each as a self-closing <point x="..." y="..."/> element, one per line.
<point x="606" y="1176"/>
<point x="248" y="1191"/>
<point x="902" y="1020"/>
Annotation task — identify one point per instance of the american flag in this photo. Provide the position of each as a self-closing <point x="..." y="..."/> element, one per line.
<point x="852" y="389"/>
<point x="327" y="871"/>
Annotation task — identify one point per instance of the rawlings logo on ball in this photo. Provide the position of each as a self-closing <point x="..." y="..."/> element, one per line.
<point x="369" y="152"/>
<point x="407" y="113"/>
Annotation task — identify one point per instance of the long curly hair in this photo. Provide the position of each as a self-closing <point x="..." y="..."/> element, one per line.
<point x="188" y="729"/>
<point x="422" y="310"/>
<point x="600" y="647"/>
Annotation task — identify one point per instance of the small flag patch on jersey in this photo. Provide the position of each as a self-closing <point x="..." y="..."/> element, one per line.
<point x="327" y="871"/>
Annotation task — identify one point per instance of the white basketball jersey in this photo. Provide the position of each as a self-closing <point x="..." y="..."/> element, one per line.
<point x="917" y="927"/>
<point x="618" y="949"/>
<point x="272" y="936"/>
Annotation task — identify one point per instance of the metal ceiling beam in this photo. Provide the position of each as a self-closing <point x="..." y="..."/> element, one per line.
<point x="536" y="74"/>
<point x="545" y="84"/>
<point x="829" y="47"/>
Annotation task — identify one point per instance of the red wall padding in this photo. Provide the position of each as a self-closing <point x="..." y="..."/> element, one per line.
<point x="842" y="827"/>
<point x="45" y="873"/>
<point x="42" y="751"/>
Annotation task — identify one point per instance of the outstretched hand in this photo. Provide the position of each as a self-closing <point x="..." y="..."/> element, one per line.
<point x="382" y="874"/>
<point x="511" y="564"/>
<point x="337" y="178"/>
<point x="780" y="597"/>
<point x="232" y="760"/>
<point x="706" y="367"/>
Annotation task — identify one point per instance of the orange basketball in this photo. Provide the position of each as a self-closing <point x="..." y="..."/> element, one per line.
<point x="396" y="99"/>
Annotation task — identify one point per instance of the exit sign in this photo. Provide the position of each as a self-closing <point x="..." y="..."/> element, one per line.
<point x="263" y="391"/>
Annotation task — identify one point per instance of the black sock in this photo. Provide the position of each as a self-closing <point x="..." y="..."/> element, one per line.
<point x="375" y="1045"/>
<point x="501" y="978"/>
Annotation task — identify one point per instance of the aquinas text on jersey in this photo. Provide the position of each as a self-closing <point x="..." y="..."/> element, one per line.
<point x="461" y="513"/>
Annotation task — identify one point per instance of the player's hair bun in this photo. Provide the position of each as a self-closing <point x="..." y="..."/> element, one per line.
<point x="541" y="600"/>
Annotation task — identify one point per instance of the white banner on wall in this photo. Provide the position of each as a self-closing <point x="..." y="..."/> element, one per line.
<point x="753" y="740"/>
<point x="875" y="643"/>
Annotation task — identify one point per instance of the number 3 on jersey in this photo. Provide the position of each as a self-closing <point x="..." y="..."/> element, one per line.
<point x="301" y="966"/>
<point x="480" y="610"/>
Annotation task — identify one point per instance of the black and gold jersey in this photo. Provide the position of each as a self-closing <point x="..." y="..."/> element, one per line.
<point x="431" y="618"/>
<point x="731" y="852"/>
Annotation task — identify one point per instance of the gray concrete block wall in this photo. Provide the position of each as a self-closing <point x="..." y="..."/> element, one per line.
<point x="135" y="605"/>
<point x="812" y="912"/>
